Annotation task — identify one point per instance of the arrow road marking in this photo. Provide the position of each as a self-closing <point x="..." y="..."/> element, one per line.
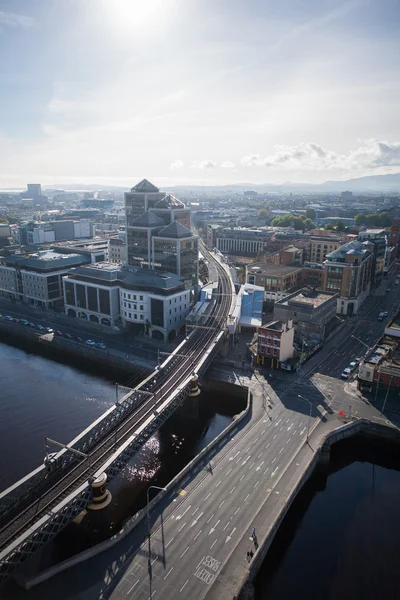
<point x="260" y="465"/>
<point x="183" y="514"/>
<point x="290" y="427"/>
<point x="233" y="457"/>
<point x="213" y="528"/>
<point x="245" y="461"/>
<point x="273" y="472"/>
<point x="196" y="519"/>
<point x="230" y="536"/>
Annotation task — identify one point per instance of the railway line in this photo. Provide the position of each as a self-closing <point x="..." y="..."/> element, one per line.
<point x="155" y="390"/>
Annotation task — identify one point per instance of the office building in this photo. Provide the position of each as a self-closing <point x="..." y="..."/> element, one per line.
<point x="321" y="246"/>
<point x="349" y="271"/>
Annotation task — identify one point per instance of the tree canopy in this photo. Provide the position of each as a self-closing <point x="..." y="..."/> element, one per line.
<point x="311" y="214"/>
<point x="300" y="223"/>
<point x="373" y="219"/>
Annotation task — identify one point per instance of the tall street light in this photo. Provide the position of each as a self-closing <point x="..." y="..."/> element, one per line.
<point x="154" y="487"/>
<point x="363" y="343"/>
<point x="309" y="416"/>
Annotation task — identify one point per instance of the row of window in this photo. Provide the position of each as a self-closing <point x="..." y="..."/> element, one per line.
<point x="134" y="296"/>
<point x="135" y="306"/>
<point x="128" y="315"/>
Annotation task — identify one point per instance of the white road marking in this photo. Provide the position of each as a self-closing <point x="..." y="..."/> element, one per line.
<point x="280" y="428"/>
<point x="277" y="423"/>
<point x="195" y="511"/>
<point x="230" y="535"/>
<point x="247" y="449"/>
<point x="197" y="535"/>
<point x="234" y="488"/>
<point x="210" y="518"/>
<point x="290" y="427"/>
<point x="260" y="465"/>
<point x="206" y="498"/>
<point x="246" y="497"/>
<point x="288" y="420"/>
<point x="213" y="528"/>
<point x="245" y="461"/>
<point x="134" y="585"/>
<point x="171" y="540"/>
<point x="184" y="585"/>
<point x="227" y="525"/>
<point x="252" y="464"/>
<point x="227" y="473"/>
<point x="182" y="526"/>
<point x="213" y="544"/>
<point x="196" y="519"/>
<point x="265" y="472"/>
<point x="269" y="443"/>
<point x="184" y="552"/>
<point x="168" y="573"/>
<point x="273" y="461"/>
<point x="256" y="484"/>
<point x="273" y="472"/>
<point x="232" y="457"/>
<point x="218" y="483"/>
<point x="254" y="441"/>
<point x="242" y="477"/>
<point x="236" y="511"/>
<point x="183" y="514"/>
<point x="281" y="450"/>
<point x="303" y="430"/>
<point x="259" y="455"/>
<point x="288" y="441"/>
<point x="223" y="502"/>
<point x="263" y="431"/>
<point x="276" y="435"/>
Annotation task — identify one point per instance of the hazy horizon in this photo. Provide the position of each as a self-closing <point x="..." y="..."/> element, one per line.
<point x="198" y="93"/>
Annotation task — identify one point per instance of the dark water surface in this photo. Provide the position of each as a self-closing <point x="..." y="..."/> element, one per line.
<point x="40" y="397"/>
<point x="341" y="537"/>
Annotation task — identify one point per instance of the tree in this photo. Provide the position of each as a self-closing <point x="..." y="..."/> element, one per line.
<point x="329" y="227"/>
<point x="263" y="213"/>
<point x="340" y="226"/>
<point x="360" y="219"/>
<point x="311" y="214"/>
<point x="2" y="220"/>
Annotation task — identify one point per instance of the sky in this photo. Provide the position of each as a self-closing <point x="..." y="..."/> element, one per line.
<point x="201" y="92"/>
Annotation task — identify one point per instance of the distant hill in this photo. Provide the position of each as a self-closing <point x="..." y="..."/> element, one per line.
<point x="371" y="183"/>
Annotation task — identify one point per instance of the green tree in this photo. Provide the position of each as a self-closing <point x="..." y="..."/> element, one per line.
<point x="311" y="214"/>
<point x="329" y="227"/>
<point x="360" y="219"/>
<point x="340" y="226"/>
<point x="3" y="220"/>
<point x="263" y="213"/>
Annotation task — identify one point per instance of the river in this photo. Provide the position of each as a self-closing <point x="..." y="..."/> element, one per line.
<point x="340" y="539"/>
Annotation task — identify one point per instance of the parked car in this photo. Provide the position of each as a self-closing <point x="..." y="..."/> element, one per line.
<point x="49" y="330"/>
<point x="8" y="318"/>
<point x="79" y="339"/>
<point x="353" y="364"/>
<point x="346" y="373"/>
<point x="40" y="327"/>
<point x="69" y="336"/>
<point x="90" y="343"/>
<point x="388" y="290"/>
<point x="396" y="282"/>
<point x="385" y="313"/>
<point x="380" y="316"/>
<point x="101" y="345"/>
<point x="57" y="332"/>
<point x="24" y="322"/>
<point x="32" y="325"/>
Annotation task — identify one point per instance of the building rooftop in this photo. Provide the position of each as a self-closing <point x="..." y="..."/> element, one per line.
<point x="148" y="219"/>
<point x="169" y="201"/>
<point x="175" y="230"/>
<point x="145" y="187"/>
<point x="45" y="261"/>
<point x="274" y="325"/>
<point x="271" y="269"/>
<point x="312" y="298"/>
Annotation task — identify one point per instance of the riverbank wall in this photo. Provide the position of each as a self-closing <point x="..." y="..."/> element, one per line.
<point x="307" y="465"/>
<point x="64" y="350"/>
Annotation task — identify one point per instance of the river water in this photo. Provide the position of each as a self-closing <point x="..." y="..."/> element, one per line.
<point x="340" y="539"/>
<point x="40" y="397"/>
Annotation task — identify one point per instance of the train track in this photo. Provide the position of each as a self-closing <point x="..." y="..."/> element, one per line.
<point x="161" y="386"/>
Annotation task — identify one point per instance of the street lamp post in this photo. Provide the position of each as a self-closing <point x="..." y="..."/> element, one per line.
<point x="309" y="416"/>
<point x="363" y="343"/>
<point x="154" y="487"/>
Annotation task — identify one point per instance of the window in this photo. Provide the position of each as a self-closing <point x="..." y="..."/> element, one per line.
<point x="134" y="296"/>
<point x="141" y="317"/>
<point x="124" y="304"/>
<point x="141" y="307"/>
<point x="130" y="315"/>
<point x="141" y="298"/>
<point x="135" y="307"/>
<point x="135" y="316"/>
<point x="129" y="296"/>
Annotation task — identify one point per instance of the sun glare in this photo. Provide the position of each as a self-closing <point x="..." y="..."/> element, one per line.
<point x="135" y="15"/>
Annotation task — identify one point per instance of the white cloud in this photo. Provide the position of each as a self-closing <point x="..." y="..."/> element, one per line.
<point x="203" y="164"/>
<point x="311" y="156"/>
<point x="227" y="164"/>
<point x="177" y="164"/>
<point x="16" y="20"/>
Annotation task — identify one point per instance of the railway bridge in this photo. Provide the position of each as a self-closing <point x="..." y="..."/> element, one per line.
<point x="40" y="505"/>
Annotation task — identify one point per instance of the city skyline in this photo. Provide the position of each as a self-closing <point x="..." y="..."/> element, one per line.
<point x="199" y="93"/>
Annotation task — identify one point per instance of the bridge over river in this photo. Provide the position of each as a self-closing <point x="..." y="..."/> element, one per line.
<point x="40" y="505"/>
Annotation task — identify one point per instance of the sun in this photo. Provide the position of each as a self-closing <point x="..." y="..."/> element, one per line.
<point x="136" y="15"/>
